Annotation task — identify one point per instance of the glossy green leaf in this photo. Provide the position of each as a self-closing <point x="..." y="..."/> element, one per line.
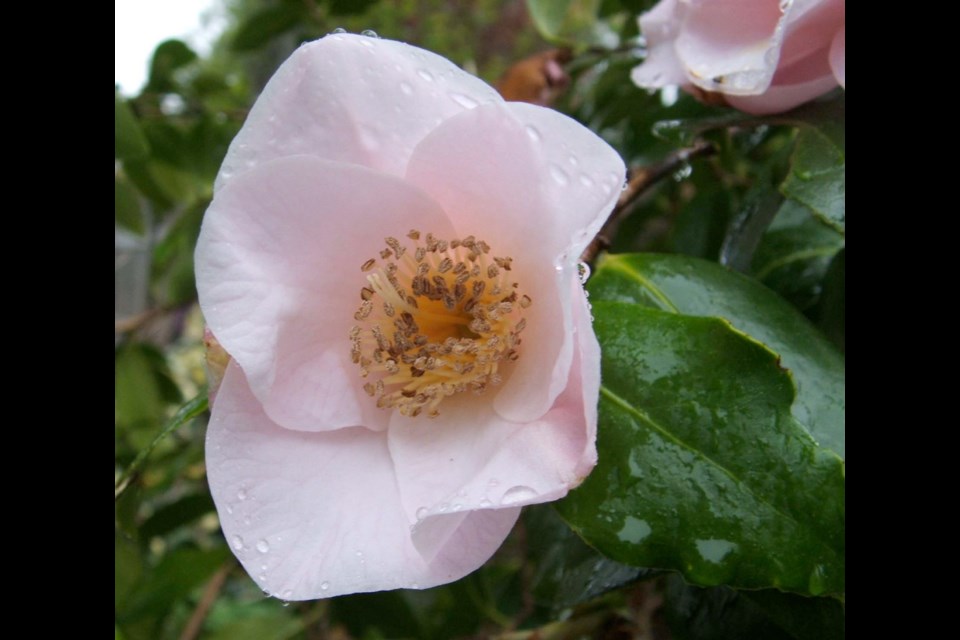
<point x="702" y="467"/>
<point x="128" y="139"/>
<point x="169" y="56"/>
<point x="831" y="312"/>
<point x="568" y="571"/>
<point x="694" y="287"/>
<point x="265" y="25"/>
<point x="722" y="613"/>
<point x="795" y="253"/>
<point x="127" y="212"/>
<point x="818" y="177"/>
<point x="571" y="22"/>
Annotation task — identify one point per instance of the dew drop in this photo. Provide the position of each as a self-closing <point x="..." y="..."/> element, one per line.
<point x="229" y="508"/>
<point x="559" y="175"/>
<point x="263" y="546"/>
<point x="485" y="503"/>
<point x="426" y="75"/>
<point x="493" y="482"/>
<point x="518" y="494"/>
<point x="573" y="160"/>
<point x="370" y="33"/>
<point x="583" y="269"/>
<point x="586" y="180"/>
<point x="338" y="31"/>
<point x="533" y="133"/>
<point x="442" y="507"/>
<point x="287" y="593"/>
<point x="422" y="513"/>
<point x="464" y="101"/>
<point x="285" y="604"/>
<point x="324" y="585"/>
<point x="237" y="543"/>
<point x="359" y="554"/>
<point x="242" y="494"/>
<point x="456" y="507"/>
<point x="407" y="89"/>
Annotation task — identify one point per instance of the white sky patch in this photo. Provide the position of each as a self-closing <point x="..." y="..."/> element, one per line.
<point x="140" y="25"/>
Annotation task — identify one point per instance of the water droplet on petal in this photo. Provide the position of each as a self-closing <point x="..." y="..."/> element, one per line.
<point x="229" y="508"/>
<point x="237" y="543"/>
<point x="533" y="133"/>
<point x="586" y="180"/>
<point x="338" y="31"/>
<point x="456" y="507"/>
<point x="559" y="175"/>
<point x="485" y="503"/>
<point x="518" y="494"/>
<point x="493" y="482"/>
<point x="370" y="33"/>
<point x="242" y="494"/>
<point x="464" y="101"/>
<point x="572" y="159"/>
<point x="584" y="271"/>
<point x="422" y="513"/>
<point x="407" y="89"/>
<point x="263" y="546"/>
<point x="426" y="75"/>
<point x="324" y="585"/>
<point x="287" y="593"/>
<point x="442" y="507"/>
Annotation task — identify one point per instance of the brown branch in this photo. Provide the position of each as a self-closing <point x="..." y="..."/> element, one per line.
<point x="210" y="594"/>
<point x="641" y="180"/>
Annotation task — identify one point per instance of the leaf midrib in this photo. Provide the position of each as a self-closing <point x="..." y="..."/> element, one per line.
<point x="643" y="417"/>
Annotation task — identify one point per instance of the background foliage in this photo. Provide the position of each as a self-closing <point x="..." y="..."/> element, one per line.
<point x="721" y="437"/>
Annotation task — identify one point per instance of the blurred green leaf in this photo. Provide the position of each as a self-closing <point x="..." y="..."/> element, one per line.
<point x="127" y="567"/>
<point x="267" y="24"/>
<point x="137" y="394"/>
<point x="127" y="212"/>
<point x="818" y="177"/>
<point x="385" y="614"/>
<point x="795" y="253"/>
<point x="571" y="22"/>
<point x="177" y="514"/>
<point x="722" y="613"/>
<point x="174" y="577"/>
<point x="693" y="287"/>
<point x="568" y="571"/>
<point x="350" y="7"/>
<point x="169" y="56"/>
<point x="163" y="184"/>
<point x="187" y="412"/>
<point x="128" y="139"/>
<point x="703" y="469"/>
<point x="265" y="620"/>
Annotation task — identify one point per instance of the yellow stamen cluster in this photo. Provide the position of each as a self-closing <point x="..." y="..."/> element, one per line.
<point x="436" y="320"/>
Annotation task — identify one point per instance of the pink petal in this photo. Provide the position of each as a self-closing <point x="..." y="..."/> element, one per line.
<point x="470" y="459"/>
<point x="662" y="66"/>
<point x="314" y="515"/>
<point x="537" y="186"/>
<point x="731" y="46"/>
<point x="355" y="99"/>
<point x="278" y="273"/>
<point x="779" y="98"/>
<point x="838" y="56"/>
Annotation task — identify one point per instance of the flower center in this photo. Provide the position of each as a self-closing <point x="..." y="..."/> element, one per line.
<point x="436" y="320"/>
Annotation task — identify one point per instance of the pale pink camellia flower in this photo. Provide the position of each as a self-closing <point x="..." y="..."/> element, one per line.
<point x="761" y="56"/>
<point x="391" y="261"/>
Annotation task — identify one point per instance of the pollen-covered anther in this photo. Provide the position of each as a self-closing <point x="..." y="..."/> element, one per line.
<point x="434" y="322"/>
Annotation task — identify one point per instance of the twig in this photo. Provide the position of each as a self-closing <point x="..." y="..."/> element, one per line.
<point x="641" y="180"/>
<point x="210" y="594"/>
